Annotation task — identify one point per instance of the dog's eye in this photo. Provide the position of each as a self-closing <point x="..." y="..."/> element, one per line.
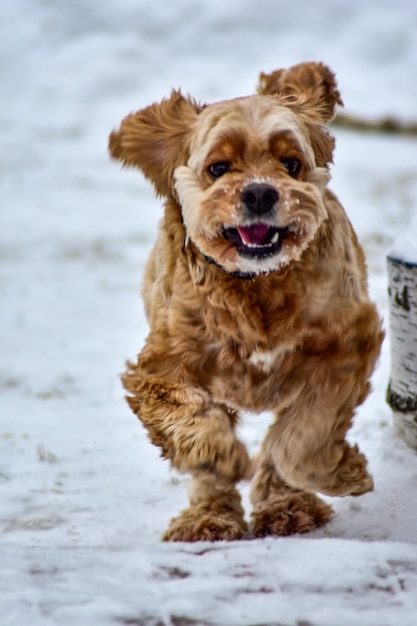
<point x="216" y="170"/>
<point x="292" y="166"/>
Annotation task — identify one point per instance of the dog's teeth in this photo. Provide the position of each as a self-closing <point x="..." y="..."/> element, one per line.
<point x="273" y="241"/>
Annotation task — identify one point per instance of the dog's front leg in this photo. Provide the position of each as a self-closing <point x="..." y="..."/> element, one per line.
<point x="198" y="436"/>
<point x="305" y="451"/>
<point x="308" y="448"/>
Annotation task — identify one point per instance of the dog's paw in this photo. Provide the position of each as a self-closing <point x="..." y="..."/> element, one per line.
<point x="219" y="453"/>
<point x="290" y="514"/>
<point x="351" y="477"/>
<point x="230" y="461"/>
<point x="199" y="524"/>
<point x="353" y="472"/>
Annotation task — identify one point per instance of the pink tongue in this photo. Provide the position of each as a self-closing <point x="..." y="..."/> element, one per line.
<point x="254" y="234"/>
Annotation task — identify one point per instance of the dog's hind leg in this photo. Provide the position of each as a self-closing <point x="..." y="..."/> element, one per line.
<point x="215" y="512"/>
<point x="279" y="509"/>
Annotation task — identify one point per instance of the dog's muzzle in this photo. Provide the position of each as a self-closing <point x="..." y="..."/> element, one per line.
<point x="257" y="239"/>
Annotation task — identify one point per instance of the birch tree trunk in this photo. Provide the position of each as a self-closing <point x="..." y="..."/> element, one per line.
<point x="402" y="389"/>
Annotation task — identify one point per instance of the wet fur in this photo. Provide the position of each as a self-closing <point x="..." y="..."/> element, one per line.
<point x="294" y="334"/>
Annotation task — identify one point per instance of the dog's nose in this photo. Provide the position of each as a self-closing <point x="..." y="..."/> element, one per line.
<point x="259" y="198"/>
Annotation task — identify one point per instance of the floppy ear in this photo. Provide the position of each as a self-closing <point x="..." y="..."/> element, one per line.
<point x="309" y="88"/>
<point x="156" y="139"/>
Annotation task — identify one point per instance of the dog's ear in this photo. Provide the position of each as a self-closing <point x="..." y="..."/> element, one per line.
<point x="155" y="139"/>
<point x="308" y="88"/>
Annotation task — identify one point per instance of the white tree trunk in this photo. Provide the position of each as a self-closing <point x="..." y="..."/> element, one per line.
<point x="402" y="389"/>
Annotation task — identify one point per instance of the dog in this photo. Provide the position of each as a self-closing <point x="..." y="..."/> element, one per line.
<point x="257" y="300"/>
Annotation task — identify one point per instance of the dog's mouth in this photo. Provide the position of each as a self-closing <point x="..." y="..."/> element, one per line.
<point x="256" y="240"/>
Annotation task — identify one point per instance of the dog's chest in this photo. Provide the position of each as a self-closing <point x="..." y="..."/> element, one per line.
<point x="251" y="379"/>
<point x="266" y="360"/>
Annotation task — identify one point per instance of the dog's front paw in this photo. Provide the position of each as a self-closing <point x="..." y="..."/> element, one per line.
<point x="218" y="453"/>
<point x="353" y="473"/>
<point x="351" y="477"/>
<point x="229" y="460"/>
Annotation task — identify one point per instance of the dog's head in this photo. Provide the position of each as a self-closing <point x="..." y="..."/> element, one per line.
<point x="248" y="173"/>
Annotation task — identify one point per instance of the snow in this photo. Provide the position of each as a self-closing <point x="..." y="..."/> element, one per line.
<point x="84" y="495"/>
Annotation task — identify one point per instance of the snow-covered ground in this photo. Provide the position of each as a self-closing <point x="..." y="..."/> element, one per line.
<point x="84" y="497"/>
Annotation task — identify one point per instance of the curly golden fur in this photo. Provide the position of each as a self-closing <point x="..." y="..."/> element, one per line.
<point x="256" y="296"/>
